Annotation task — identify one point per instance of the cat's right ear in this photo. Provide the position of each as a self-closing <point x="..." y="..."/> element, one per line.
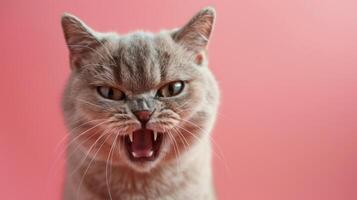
<point x="79" y="37"/>
<point x="196" y="33"/>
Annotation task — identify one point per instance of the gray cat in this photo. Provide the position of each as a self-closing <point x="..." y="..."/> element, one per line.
<point x="140" y="108"/>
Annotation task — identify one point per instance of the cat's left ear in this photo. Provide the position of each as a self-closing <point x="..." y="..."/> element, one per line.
<point x="196" y="33"/>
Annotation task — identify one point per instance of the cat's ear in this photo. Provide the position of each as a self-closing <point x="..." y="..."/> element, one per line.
<point x="196" y="33"/>
<point x="79" y="37"/>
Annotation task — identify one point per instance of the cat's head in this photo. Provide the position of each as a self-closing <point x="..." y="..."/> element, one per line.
<point x="141" y="98"/>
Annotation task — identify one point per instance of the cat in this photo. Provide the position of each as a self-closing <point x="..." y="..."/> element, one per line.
<point x="139" y="108"/>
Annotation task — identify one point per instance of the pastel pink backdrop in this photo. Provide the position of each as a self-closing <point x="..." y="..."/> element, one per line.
<point x="287" y="127"/>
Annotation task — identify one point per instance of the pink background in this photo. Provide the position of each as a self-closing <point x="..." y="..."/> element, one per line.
<point x="287" y="126"/>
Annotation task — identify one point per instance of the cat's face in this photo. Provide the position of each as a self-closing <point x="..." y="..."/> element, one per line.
<point x="142" y="98"/>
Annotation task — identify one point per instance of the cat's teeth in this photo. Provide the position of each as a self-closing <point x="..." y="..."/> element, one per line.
<point x="155" y="135"/>
<point x="131" y="137"/>
<point x="135" y="155"/>
<point x="151" y="153"/>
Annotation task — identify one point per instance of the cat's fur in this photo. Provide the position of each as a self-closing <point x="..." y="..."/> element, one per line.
<point x="138" y="64"/>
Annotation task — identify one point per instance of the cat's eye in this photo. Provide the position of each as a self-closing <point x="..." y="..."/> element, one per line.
<point x="110" y="93"/>
<point x="171" y="89"/>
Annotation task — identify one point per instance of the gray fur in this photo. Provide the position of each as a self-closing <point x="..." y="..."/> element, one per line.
<point x="138" y="64"/>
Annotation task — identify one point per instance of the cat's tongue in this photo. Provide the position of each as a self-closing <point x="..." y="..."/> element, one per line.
<point x="142" y="144"/>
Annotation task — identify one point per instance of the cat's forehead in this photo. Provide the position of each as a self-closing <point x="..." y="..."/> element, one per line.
<point x="144" y="60"/>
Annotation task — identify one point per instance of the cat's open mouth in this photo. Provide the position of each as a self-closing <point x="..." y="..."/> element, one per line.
<point x="143" y="144"/>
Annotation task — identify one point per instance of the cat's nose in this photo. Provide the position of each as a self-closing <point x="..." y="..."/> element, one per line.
<point x="143" y="116"/>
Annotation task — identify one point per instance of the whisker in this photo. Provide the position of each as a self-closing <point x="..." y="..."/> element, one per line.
<point x="88" y="152"/>
<point x="182" y="138"/>
<point x="221" y="157"/>
<point x="176" y="149"/>
<point x="86" y="131"/>
<point x="106" y="167"/>
<point x="92" y="159"/>
<point x="199" y="127"/>
<point x="60" y="154"/>
<point x="67" y="135"/>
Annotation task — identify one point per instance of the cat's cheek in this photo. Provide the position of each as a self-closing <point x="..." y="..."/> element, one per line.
<point x="195" y="97"/>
